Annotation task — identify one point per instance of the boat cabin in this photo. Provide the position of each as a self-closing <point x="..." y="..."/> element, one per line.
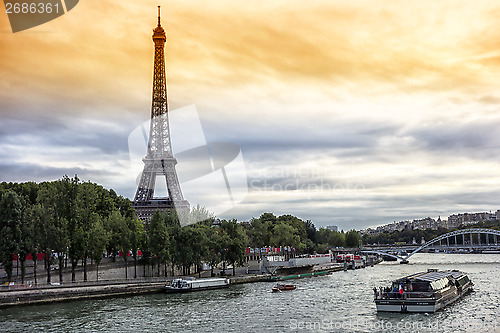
<point x="423" y="285"/>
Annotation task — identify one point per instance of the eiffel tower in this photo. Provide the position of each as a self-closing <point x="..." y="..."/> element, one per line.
<point x="159" y="159"/>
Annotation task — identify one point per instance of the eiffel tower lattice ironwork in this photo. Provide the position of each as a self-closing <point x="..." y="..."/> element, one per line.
<point x="159" y="158"/>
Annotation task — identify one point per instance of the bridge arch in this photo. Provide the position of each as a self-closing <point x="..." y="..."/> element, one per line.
<point x="455" y="233"/>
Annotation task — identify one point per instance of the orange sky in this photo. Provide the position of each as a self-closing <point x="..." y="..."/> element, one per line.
<point x="399" y="97"/>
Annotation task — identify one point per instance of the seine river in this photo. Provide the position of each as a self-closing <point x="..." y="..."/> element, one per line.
<point x="340" y="302"/>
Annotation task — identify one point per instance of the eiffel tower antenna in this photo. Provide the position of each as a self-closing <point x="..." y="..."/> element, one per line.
<point x="159" y="159"/>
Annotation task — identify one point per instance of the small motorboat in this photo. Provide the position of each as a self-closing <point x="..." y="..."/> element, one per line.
<point x="283" y="287"/>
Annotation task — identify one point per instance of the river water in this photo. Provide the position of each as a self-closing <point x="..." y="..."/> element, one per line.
<point x="340" y="302"/>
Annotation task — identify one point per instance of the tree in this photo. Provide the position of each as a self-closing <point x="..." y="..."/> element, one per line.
<point x="352" y="238"/>
<point x="310" y="230"/>
<point x="45" y="230"/>
<point x="97" y="242"/>
<point x="136" y="238"/>
<point x="261" y="229"/>
<point x="324" y="236"/>
<point x="285" y="235"/>
<point x="183" y="249"/>
<point x="34" y="219"/>
<point x="80" y="224"/>
<point x="124" y="244"/>
<point x="113" y="225"/>
<point x="337" y="239"/>
<point x="146" y="248"/>
<point x="200" y="244"/>
<point x="235" y="243"/>
<point x="159" y="238"/>
<point x="10" y="229"/>
<point x="215" y="247"/>
<point x="297" y="223"/>
<point x="56" y="197"/>
<point x="118" y="230"/>
<point x="200" y="214"/>
<point x="26" y="240"/>
<point x="173" y="228"/>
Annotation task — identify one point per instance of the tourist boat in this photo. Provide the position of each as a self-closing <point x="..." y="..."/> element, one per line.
<point x="283" y="287"/>
<point x="423" y="292"/>
<point x="185" y="285"/>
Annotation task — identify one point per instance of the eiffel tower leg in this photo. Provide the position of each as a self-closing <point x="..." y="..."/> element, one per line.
<point x="174" y="189"/>
<point x="145" y="190"/>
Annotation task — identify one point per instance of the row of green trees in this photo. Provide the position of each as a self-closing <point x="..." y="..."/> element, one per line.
<point x="288" y="230"/>
<point x="65" y="220"/>
<point x="166" y="242"/>
<point x="70" y="220"/>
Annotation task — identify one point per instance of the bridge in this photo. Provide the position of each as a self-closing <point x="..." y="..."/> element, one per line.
<point x="453" y="241"/>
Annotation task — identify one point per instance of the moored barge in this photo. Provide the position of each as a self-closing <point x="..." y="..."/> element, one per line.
<point x="186" y="285"/>
<point x="423" y="292"/>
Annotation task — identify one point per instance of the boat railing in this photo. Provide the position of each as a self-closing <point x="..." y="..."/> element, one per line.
<point x="382" y="294"/>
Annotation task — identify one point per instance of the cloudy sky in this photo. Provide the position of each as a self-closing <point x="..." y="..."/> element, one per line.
<point x="349" y="113"/>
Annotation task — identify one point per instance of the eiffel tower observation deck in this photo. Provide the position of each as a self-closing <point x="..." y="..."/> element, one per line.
<point x="159" y="159"/>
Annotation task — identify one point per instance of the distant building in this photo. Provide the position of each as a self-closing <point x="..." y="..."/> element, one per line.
<point x="463" y="219"/>
<point x="426" y="223"/>
<point x="332" y="228"/>
<point x="454" y="221"/>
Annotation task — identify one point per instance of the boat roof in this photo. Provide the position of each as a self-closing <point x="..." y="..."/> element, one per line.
<point x="200" y="280"/>
<point x="211" y="279"/>
<point x="432" y="275"/>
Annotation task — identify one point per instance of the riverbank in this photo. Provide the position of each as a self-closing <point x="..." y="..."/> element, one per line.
<point x="16" y="295"/>
<point x="70" y="292"/>
<point x="26" y="295"/>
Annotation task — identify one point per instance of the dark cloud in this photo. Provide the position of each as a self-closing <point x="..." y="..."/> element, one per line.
<point x="365" y="209"/>
<point x="21" y="171"/>
<point x="43" y="130"/>
<point x="288" y="136"/>
<point x="478" y="139"/>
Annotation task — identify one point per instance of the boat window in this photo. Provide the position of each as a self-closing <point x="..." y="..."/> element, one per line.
<point x="439" y="284"/>
<point x="420" y="286"/>
<point x="463" y="280"/>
